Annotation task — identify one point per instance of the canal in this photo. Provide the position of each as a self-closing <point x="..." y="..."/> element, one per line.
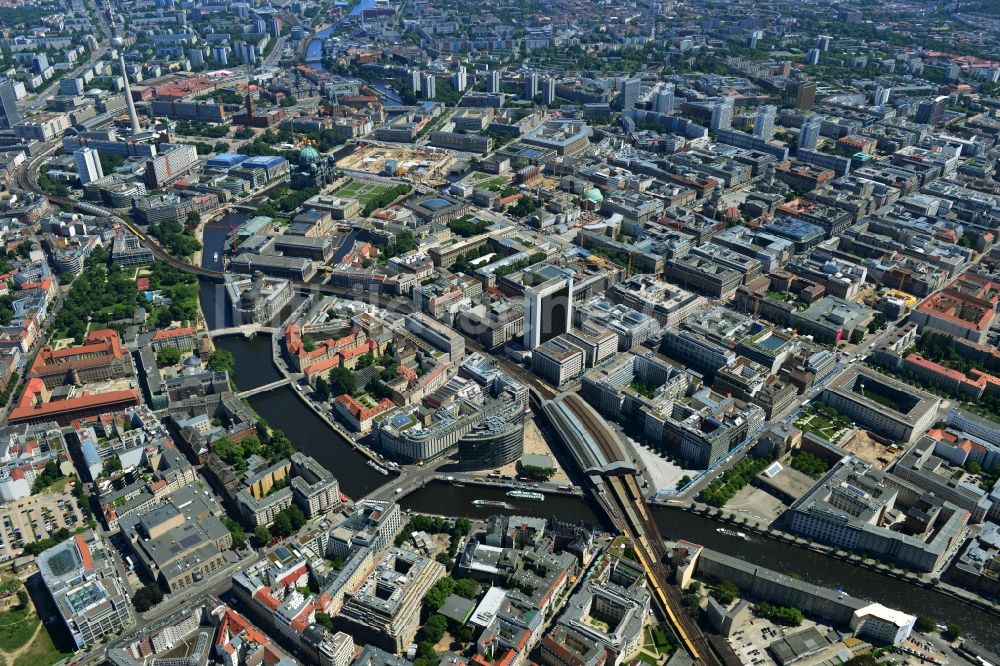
<point x="284" y="410"/>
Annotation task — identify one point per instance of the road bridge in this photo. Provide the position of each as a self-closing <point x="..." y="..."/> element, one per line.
<point x="246" y="330"/>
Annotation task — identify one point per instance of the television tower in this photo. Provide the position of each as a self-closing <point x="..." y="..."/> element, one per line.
<point x="119" y="44"/>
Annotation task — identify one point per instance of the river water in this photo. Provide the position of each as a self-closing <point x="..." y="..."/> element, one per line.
<point x="314" y="50"/>
<point x="284" y="410"/>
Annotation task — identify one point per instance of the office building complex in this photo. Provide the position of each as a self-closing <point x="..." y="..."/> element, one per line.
<point x="385" y="610"/>
<point x="630" y="93"/>
<point x="80" y="576"/>
<point x="663" y="102"/>
<point x="881" y="404"/>
<point x="863" y="510"/>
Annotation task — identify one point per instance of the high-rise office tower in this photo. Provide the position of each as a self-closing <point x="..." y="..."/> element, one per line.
<point x="664" y="100"/>
<point x="809" y="133"/>
<point x="722" y="114"/>
<point x="530" y="85"/>
<point x="882" y="96"/>
<point x="548" y="305"/>
<point x="931" y="111"/>
<point x="9" y="115"/>
<point x="812" y="58"/>
<point x="823" y="42"/>
<point x="763" y="124"/>
<point x="428" y="85"/>
<point x="119" y="43"/>
<point x="493" y="81"/>
<point x="630" y="93"/>
<point x="549" y="92"/>
<point x="414" y="81"/>
<point x="88" y="165"/>
<point x="802" y="93"/>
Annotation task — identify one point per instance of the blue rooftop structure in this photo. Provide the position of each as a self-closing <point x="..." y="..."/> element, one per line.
<point x="435" y="204"/>
<point x="803" y="234"/>
<point x="225" y="160"/>
<point x="263" y="162"/>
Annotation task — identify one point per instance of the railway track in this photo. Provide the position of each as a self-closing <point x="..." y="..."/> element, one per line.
<point x="635" y="521"/>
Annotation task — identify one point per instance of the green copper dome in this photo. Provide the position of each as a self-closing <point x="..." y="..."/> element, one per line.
<point x="308" y="155"/>
<point x="594" y="194"/>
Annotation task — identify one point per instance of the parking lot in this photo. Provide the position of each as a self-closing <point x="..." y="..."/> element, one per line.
<point x="33" y="518"/>
<point x="751" y="640"/>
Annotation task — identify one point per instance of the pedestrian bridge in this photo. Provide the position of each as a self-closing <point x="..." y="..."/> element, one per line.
<point x="249" y="393"/>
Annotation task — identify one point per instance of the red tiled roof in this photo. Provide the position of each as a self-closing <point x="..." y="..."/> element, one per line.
<point x="168" y="333"/>
<point x="27" y="409"/>
<point x="88" y="559"/>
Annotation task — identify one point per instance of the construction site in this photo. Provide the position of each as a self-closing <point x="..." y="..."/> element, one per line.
<point x="423" y="164"/>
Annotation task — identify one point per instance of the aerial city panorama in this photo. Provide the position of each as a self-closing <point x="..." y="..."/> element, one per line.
<point x="507" y="333"/>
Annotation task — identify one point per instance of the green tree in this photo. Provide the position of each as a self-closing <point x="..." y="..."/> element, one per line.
<point x="924" y="624"/>
<point x="262" y="535"/>
<point x="953" y="632"/>
<point x="222" y="361"/>
<point x="49" y="475"/>
<point x="282" y="525"/>
<point x="725" y="592"/>
<point x="542" y="473"/>
<point x="229" y="451"/>
<point x="467" y="588"/>
<point x="322" y="389"/>
<point x="111" y="465"/>
<point x="236" y="531"/>
<point x="342" y="381"/>
<point x="433" y="630"/>
<point x="168" y="356"/>
<point x="147" y="597"/>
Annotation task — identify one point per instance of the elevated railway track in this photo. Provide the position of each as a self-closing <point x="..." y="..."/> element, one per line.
<point x="606" y="461"/>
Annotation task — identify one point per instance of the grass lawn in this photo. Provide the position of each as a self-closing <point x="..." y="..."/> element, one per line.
<point x="16" y="627"/>
<point x="363" y="192"/>
<point x="58" y="487"/>
<point x="656" y="639"/>
<point x="826" y="427"/>
<point x="648" y="659"/>
<point x="489" y="181"/>
<point x="41" y="652"/>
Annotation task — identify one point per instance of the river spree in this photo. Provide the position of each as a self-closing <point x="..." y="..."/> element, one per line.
<point x="284" y="410"/>
<point x="314" y="50"/>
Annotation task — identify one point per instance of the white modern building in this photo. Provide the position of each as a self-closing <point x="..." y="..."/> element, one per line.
<point x="88" y="165"/>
